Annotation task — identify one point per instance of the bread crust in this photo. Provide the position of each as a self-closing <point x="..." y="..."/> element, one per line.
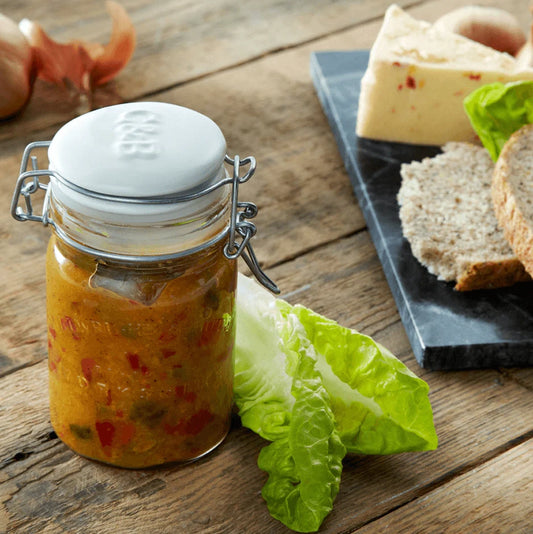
<point x="448" y="218"/>
<point x="512" y="175"/>
<point x="492" y="274"/>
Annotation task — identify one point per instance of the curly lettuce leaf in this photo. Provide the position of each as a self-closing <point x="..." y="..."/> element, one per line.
<point x="380" y="406"/>
<point x="262" y="369"/>
<point x="316" y="390"/>
<point x="497" y="110"/>
<point x="305" y="466"/>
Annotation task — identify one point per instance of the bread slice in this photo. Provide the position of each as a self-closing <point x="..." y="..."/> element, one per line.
<point x="512" y="194"/>
<point x="447" y="216"/>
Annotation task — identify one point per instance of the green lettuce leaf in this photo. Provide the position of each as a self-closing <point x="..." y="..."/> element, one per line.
<point x="305" y="466"/>
<point x="497" y="110"/>
<point x="380" y="406"/>
<point x="262" y="369"/>
<point x="316" y="390"/>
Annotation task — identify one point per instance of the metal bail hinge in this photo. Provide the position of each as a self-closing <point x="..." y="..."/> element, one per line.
<point x="241" y="212"/>
<point x="28" y="184"/>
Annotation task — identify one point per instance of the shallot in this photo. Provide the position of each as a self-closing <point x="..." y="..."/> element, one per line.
<point x="27" y="52"/>
<point x="16" y="68"/>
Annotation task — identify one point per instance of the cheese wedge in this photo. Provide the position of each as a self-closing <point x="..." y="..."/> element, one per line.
<point x="417" y="78"/>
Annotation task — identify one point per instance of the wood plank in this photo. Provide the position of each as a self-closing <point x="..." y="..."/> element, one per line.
<point x="179" y="41"/>
<point x="523" y="376"/>
<point x="301" y="187"/>
<point x="476" y="413"/>
<point x="174" y="38"/>
<point x="495" y="497"/>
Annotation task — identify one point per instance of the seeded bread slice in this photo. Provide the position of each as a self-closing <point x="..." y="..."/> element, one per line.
<point x="448" y="218"/>
<point x="512" y="193"/>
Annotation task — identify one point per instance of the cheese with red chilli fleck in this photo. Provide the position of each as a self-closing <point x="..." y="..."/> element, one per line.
<point x="417" y="78"/>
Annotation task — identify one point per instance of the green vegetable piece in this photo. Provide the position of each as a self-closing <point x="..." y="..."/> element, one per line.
<point x="498" y="110"/>
<point x="81" y="432"/>
<point x="317" y="389"/>
<point x="130" y="330"/>
<point x="304" y="467"/>
<point x="380" y="406"/>
<point x="147" y="412"/>
<point x="262" y="370"/>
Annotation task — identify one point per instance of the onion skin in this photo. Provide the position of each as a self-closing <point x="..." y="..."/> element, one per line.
<point x="27" y="52"/>
<point x="489" y="26"/>
<point x="81" y="64"/>
<point x="17" y="72"/>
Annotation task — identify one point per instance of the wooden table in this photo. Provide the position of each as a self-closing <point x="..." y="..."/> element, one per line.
<point x="246" y="65"/>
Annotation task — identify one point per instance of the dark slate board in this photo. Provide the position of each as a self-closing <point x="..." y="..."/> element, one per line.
<point x="447" y="329"/>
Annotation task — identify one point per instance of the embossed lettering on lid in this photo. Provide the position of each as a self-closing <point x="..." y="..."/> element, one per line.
<point x="139" y="149"/>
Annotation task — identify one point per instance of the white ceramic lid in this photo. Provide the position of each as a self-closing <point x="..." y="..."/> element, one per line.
<point x="139" y="149"/>
<point x="142" y="149"/>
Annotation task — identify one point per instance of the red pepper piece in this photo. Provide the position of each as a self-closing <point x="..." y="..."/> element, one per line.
<point x="410" y="82"/>
<point x="125" y="432"/>
<point x="173" y="429"/>
<point x="198" y="421"/>
<point x="166" y="337"/>
<point x="192" y="426"/>
<point x="87" y="366"/>
<point x="167" y="353"/>
<point x="106" y="432"/>
<point x="187" y="396"/>
<point x="67" y="323"/>
<point x="53" y="333"/>
<point x="133" y="359"/>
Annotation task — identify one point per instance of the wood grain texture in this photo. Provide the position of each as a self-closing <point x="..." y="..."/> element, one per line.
<point x="179" y="41"/>
<point x="246" y="66"/>
<point x="44" y="484"/>
<point x="495" y="497"/>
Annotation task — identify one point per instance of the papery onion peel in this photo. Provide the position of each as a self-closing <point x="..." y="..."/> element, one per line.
<point x="83" y="64"/>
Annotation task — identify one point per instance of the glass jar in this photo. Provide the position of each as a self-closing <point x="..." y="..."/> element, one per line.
<point x="141" y="278"/>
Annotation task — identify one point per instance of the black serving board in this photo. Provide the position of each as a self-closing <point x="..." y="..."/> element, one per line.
<point x="447" y="329"/>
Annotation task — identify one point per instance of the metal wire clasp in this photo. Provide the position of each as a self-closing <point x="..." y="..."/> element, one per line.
<point x="25" y="188"/>
<point x="241" y="225"/>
